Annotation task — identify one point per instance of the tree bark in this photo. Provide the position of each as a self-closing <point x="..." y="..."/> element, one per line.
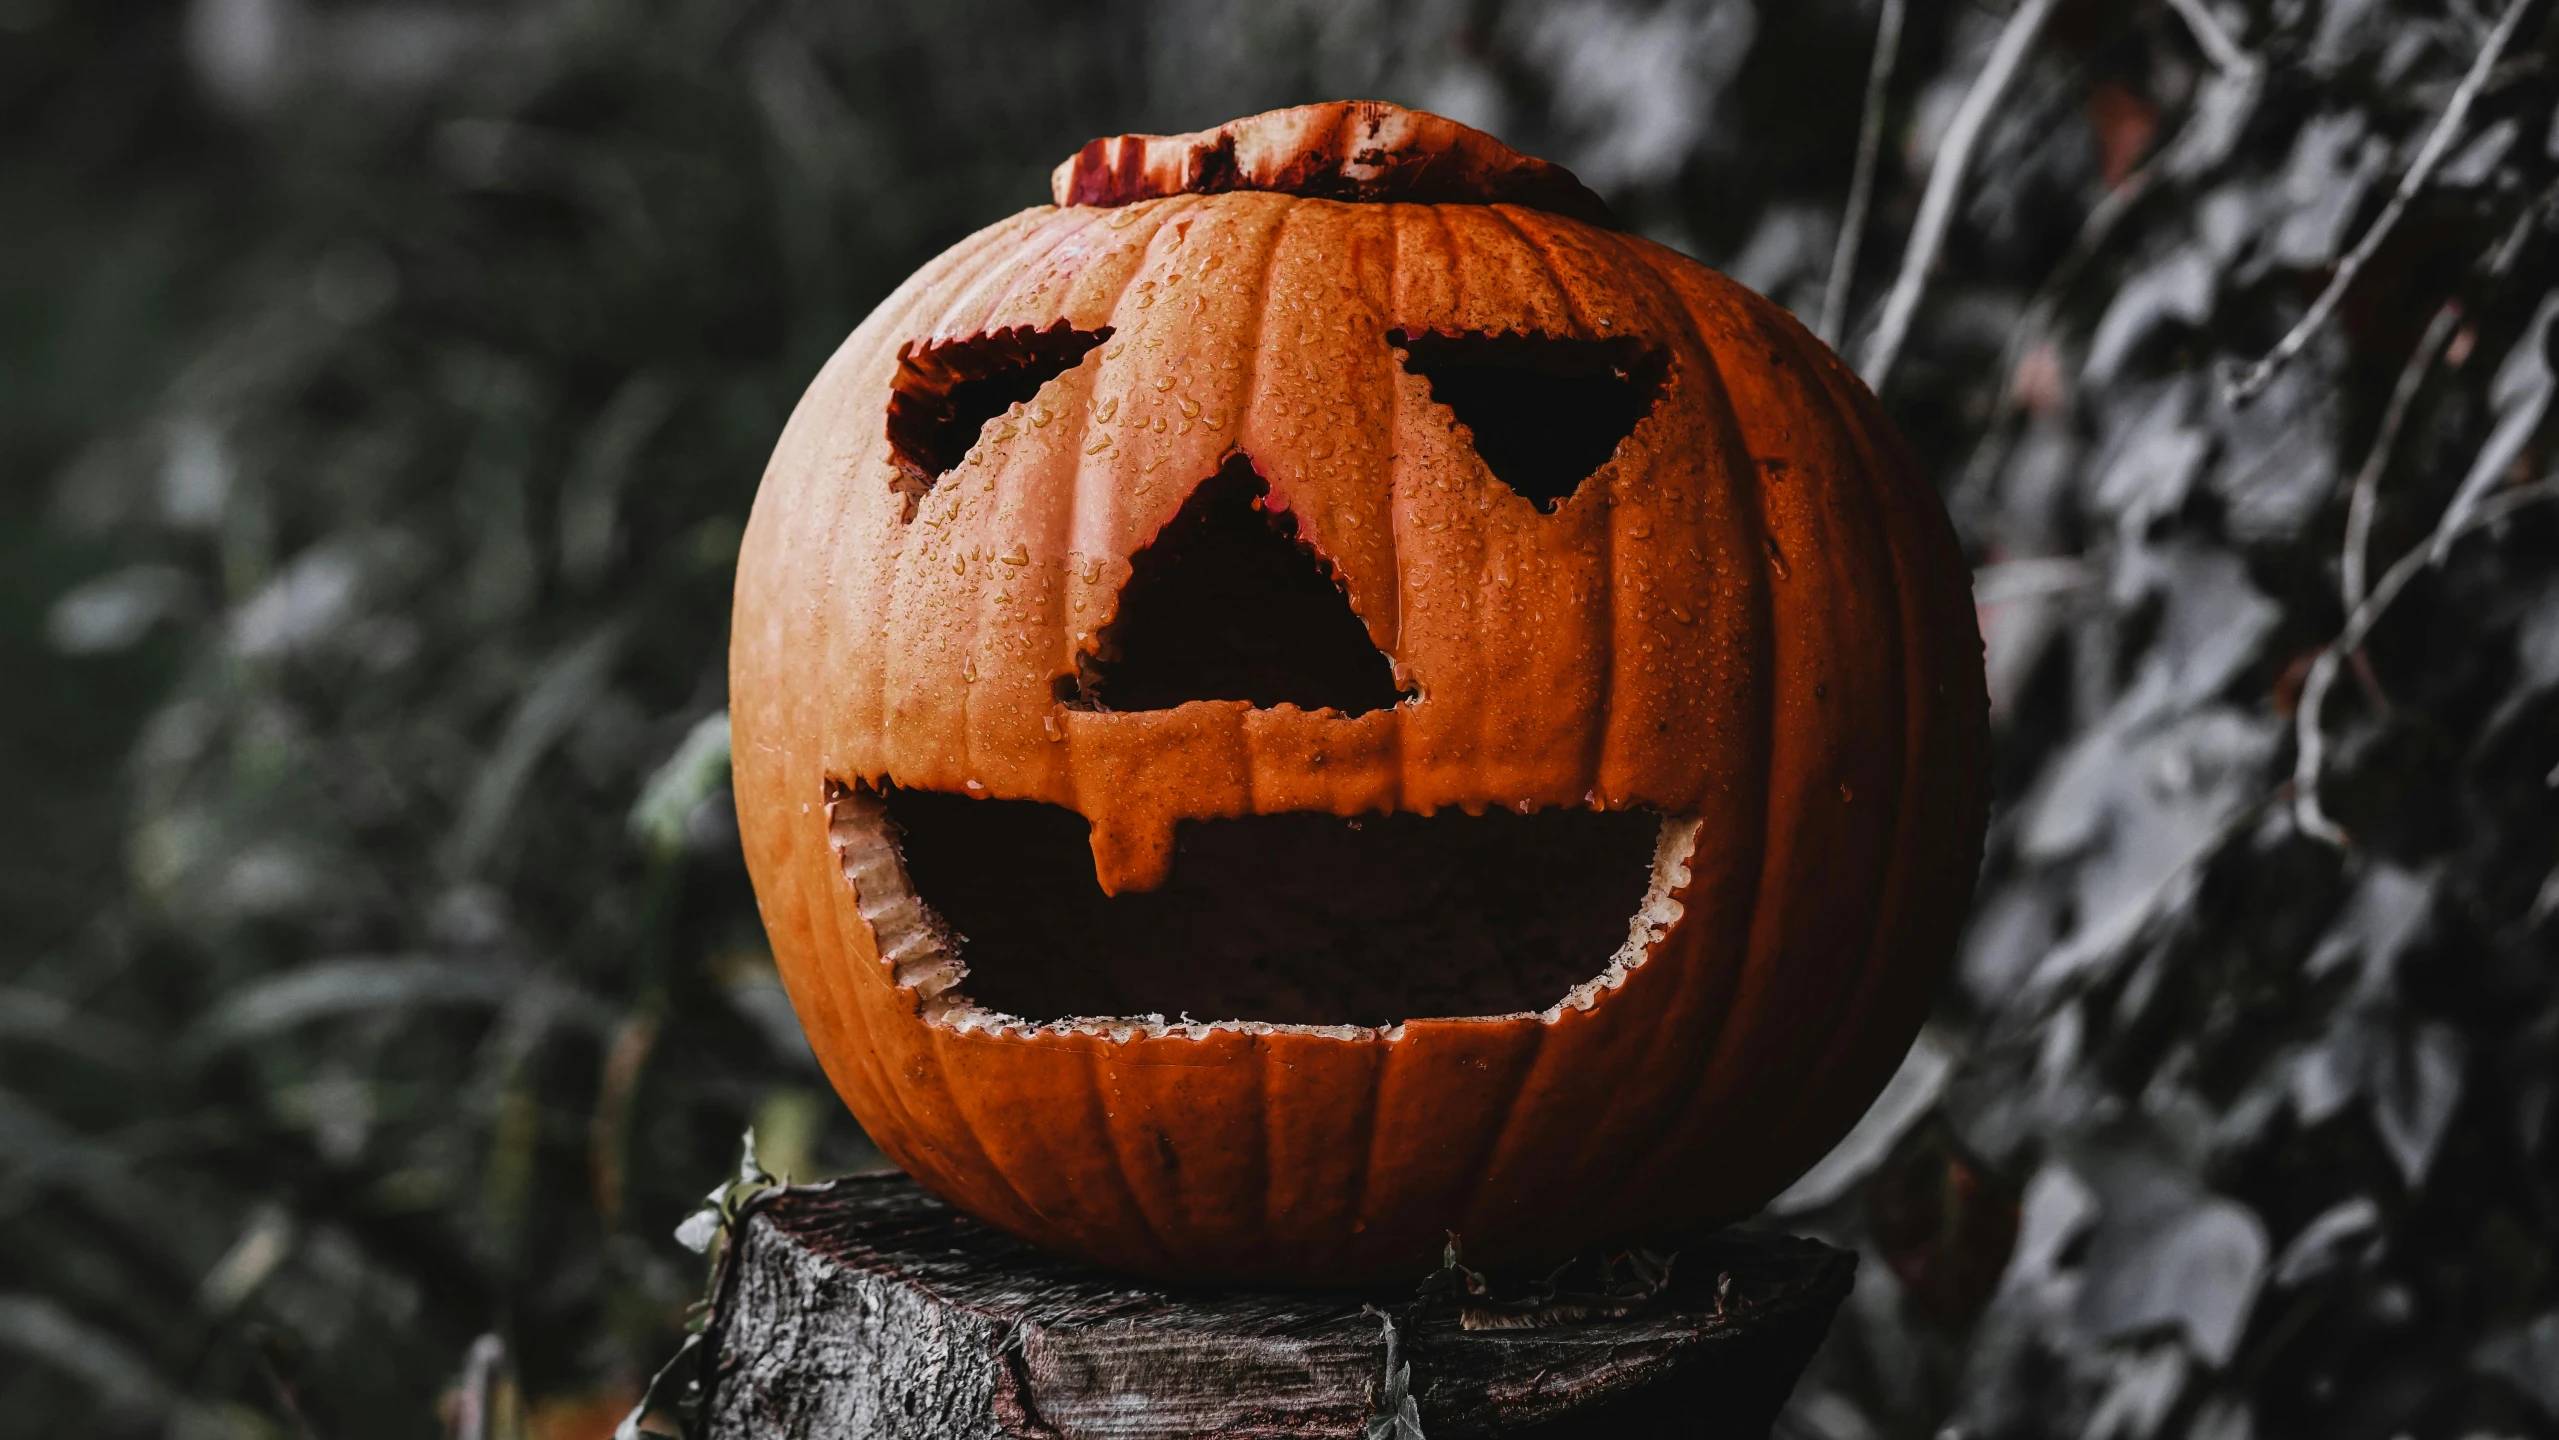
<point x="867" y="1308"/>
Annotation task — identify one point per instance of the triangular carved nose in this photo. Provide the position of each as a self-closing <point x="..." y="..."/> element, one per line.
<point x="1227" y="604"/>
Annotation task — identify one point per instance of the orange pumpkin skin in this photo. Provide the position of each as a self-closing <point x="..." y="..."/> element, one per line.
<point x="1754" y="616"/>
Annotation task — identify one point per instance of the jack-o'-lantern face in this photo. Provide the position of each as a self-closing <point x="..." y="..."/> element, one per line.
<point x="1274" y="723"/>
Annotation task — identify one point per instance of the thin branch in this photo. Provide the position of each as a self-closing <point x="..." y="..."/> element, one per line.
<point x="475" y="1402"/>
<point x="2367" y="493"/>
<point x="2508" y="249"/>
<point x="2234" y="65"/>
<point x="2227" y="57"/>
<point x="2005" y="580"/>
<point x="2225" y="53"/>
<point x="2519" y="415"/>
<point x="2309" y="744"/>
<point x="1861" y="185"/>
<point x="2036" y="322"/>
<point x="2252" y="382"/>
<point x="1945" y="182"/>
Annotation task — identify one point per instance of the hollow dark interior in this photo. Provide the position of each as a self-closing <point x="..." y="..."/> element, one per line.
<point x="1545" y="412"/>
<point x="943" y="395"/>
<point x="1225" y="604"/>
<point x="1295" y="919"/>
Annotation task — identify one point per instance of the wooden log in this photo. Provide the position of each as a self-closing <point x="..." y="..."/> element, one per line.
<point x="867" y="1308"/>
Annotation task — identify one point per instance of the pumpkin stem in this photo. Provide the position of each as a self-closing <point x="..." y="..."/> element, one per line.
<point x="1355" y="150"/>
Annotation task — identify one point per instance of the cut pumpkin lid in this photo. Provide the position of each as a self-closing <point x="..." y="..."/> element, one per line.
<point x="1356" y="150"/>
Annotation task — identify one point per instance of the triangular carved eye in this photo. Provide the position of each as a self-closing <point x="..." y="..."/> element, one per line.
<point x="944" y="394"/>
<point x="1225" y="603"/>
<point x="1545" y="412"/>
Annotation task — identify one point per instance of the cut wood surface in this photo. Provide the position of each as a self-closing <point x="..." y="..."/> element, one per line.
<point x="867" y="1308"/>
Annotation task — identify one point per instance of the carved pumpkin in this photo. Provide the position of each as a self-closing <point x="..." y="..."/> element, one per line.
<point x="1317" y="693"/>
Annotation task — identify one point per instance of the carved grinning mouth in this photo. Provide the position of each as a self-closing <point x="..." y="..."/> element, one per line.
<point x="989" y="910"/>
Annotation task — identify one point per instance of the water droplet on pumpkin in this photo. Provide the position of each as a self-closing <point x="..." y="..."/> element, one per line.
<point x="1776" y="557"/>
<point x="973" y="785"/>
<point x="968" y="670"/>
<point x="1049" y="724"/>
<point x="1846" y="794"/>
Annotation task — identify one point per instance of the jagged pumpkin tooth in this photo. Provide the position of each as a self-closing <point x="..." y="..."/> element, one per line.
<point x="1317" y="694"/>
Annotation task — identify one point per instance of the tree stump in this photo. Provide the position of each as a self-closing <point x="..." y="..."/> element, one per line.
<point x="867" y="1308"/>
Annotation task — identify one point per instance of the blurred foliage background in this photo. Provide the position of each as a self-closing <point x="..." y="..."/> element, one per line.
<point x="383" y="386"/>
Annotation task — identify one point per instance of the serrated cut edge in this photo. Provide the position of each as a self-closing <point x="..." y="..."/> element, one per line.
<point x="922" y="955"/>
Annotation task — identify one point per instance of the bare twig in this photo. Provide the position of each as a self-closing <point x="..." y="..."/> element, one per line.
<point x="2367" y="492"/>
<point x="2236" y="66"/>
<point x="1861" y="185"/>
<point x="2310" y="745"/>
<point x="2037" y="321"/>
<point x="2519" y="412"/>
<point x="2508" y="248"/>
<point x="2227" y="57"/>
<point x="2252" y="382"/>
<point x="476" y="1402"/>
<point x="2005" y="580"/>
<point x="1945" y="182"/>
<point x="2224" y="52"/>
